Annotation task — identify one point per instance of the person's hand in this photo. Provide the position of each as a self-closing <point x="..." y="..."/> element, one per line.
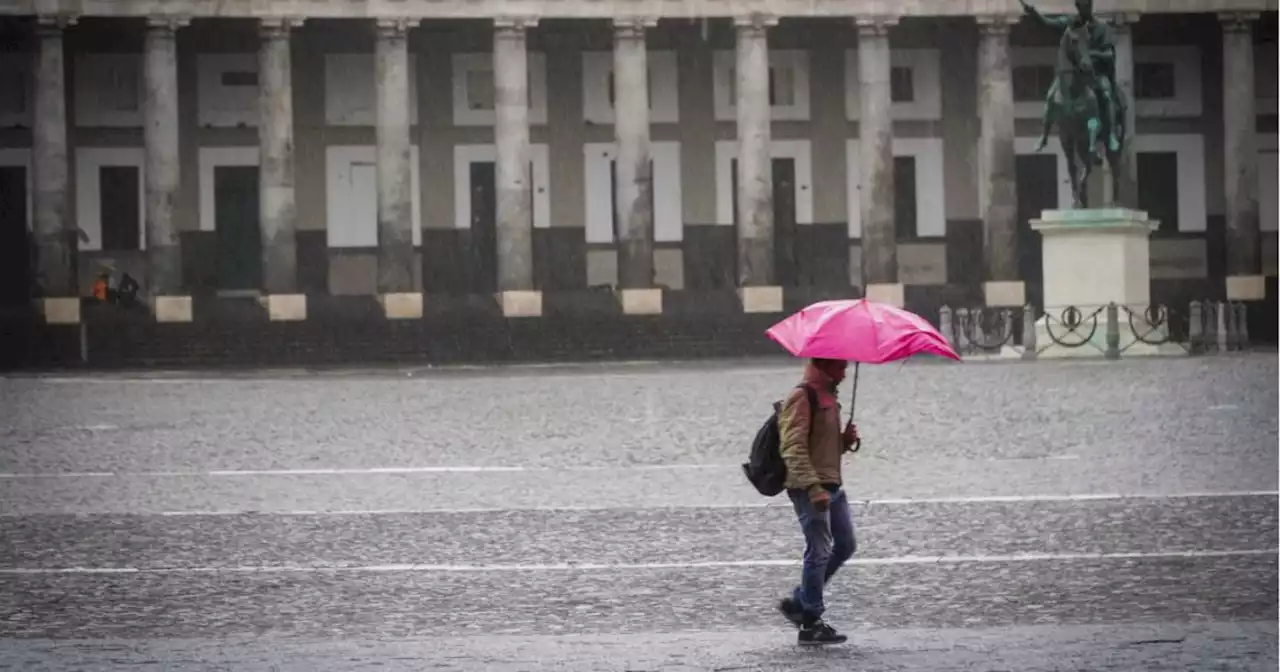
<point x="819" y="498"/>
<point x="850" y="435"/>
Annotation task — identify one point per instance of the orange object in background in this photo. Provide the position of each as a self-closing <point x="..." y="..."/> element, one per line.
<point x="100" y="288"/>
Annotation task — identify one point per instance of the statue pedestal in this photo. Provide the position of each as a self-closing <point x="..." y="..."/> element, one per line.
<point x="1092" y="258"/>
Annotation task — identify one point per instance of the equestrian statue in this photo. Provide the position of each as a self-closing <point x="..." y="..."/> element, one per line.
<point x="1084" y="100"/>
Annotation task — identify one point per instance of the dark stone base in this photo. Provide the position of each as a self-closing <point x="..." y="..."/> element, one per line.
<point x="455" y="329"/>
<point x="577" y="326"/>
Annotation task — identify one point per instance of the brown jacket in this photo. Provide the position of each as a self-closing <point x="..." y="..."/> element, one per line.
<point x="812" y="456"/>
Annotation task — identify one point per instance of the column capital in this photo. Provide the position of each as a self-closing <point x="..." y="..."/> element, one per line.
<point x="1123" y="20"/>
<point x="755" y="21"/>
<point x="279" y="26"/>
<point x="392" y="28"/>
<point x="52" y="25"/>
<point x="167" y="24"/>
<point x="875" y="26"/>
<point x="633" y="27"/>
<point x="513" y="24"/>
<point x="997" y="24"/>
<point x="1238" y="22"/>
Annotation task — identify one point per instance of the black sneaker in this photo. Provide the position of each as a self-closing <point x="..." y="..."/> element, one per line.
<point x="790" y="609"/>
<point x="817" y="633"/>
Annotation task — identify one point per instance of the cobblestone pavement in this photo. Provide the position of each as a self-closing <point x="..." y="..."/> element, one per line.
<point x="1074" y="516"/>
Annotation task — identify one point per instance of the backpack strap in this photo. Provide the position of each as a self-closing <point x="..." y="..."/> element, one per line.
<point x="812" y="395"/>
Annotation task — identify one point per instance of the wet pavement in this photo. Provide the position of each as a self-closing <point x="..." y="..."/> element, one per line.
<point x="1049" y="516"/>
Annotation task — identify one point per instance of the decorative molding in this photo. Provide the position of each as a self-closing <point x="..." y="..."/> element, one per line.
<point x="926" y="80"/>
<point x="668" y="220"/>
<point x="724" y="66"/>
<point x="465" y="155"/>
<point x="875" y="26"/>
<point x="210" y="159"/>
<point x="664" y="92"/>
<point x="931" y="207"/>
<point x="798" y="150"/>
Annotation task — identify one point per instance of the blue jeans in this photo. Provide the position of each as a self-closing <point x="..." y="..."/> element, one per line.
<point x="828" y="543"/>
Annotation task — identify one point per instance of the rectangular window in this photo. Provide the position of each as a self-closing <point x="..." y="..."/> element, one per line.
<point x="120" y="208"/>
<point x="782" y="87"/>
<point x="14" y="84"/>
<point x="1264" y="81"/>
<point x="480" y="92"/>
<point x="238" y="78"/>
<point x="1031" y="82"/>
<point x="901" y="85"/>
<point x="480" y="89"/>
<point x="613" y="195"/>
<point x="1158" y="188"/>
<point x="904" y="197"/>
<point x="121" y="89"/>
<point x="612" y="94"/>
<point x="1154" y="81"/>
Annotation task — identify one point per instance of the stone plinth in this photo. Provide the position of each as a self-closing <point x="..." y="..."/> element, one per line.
<point x="1094" y="257"/>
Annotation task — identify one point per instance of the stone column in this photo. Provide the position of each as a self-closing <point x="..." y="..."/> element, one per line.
<point x="518" y="295"/>
<point x="1122" y="32"/>
<point x="396" y="290"/>
<point x="875" y="142"/>
<point x="998" y="160"/>
<point x="634" y="175"/>
<point x="1245" y="281"/>
<point x="278" y="215"/>
<point x="755" y="167"/>
<point x="55" y="232"/>
<point x="162" y="178"/>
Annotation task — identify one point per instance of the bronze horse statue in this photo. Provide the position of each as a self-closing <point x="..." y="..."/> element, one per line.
<point x="1081" y="125"/>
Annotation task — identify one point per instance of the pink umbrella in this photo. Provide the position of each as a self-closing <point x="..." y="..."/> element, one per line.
<point x="859" y="331"/>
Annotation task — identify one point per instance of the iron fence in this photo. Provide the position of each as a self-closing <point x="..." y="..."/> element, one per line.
<point x="1111" y="330"/>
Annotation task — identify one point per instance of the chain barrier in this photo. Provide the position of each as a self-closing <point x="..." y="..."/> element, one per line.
<point x="1199" y="327"/>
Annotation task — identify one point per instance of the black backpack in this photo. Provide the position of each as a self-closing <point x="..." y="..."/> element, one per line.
<point x="766" y="470"/>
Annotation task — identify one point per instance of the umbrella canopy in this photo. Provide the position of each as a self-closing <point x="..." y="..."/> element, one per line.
<point x="860" y="331"/>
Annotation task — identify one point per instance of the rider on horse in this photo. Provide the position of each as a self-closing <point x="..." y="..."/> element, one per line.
<point x="1101" y="49"/>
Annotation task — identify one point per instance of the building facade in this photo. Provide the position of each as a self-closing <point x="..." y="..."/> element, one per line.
<point x="405" y="151"/>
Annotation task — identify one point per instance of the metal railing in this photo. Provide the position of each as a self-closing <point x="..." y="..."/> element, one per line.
<point x="1110" y="331"/>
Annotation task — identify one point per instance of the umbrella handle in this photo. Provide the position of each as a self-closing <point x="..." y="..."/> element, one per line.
<point x="853" y="402"/>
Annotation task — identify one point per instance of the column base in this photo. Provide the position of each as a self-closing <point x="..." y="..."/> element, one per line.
<point x="892" y="293"/>
<point x="1005" y="294"/>
<point x="761" y="299"/>
<point x="641" y="301"/>
<point x="521" y="303"/>
<point x="287" y="307"/>
<point x="64" y="310"/>
<point x="401" y="305"/>
<point x="175" y="309"/>
<point x="1246" y="287"/>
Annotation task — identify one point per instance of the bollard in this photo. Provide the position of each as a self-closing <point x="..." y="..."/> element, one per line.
<point x="1223" y="319"/>
<point x="1195" y="328"/>
<point x="1029" y="332"/>
<point x="1220" y="326"/>
<point x="944" y="325"/>
<point x="1113" y="332"/>
<point x="1242" y="326"/>
<point x="962" y="330"/>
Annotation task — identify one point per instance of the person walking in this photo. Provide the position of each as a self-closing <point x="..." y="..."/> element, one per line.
<point x="812" y="447"/>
